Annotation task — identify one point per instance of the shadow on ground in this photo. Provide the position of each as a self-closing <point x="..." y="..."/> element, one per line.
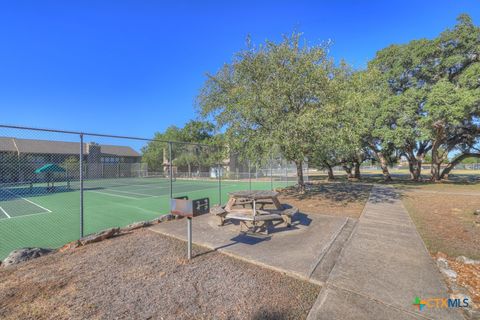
<point x="343" y="192"/>
<point x="384" y="195"/>
<point x="265" y="313"/>
<point x="458" y="178"/>
<point x="401" y="182"/>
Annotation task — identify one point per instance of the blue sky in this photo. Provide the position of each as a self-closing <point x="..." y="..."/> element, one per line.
<point x="135" y="67"/>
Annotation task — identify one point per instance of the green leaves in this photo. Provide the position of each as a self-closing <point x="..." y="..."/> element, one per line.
<point x="269" y="95"/>
<point x="434" y="88"/>
<point x="195" y="132"/>
<point x="291" y="97"/>
<point x="447" y="104"/>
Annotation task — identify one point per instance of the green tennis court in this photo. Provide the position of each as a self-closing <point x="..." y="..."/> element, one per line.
<point x="33" y="216"/>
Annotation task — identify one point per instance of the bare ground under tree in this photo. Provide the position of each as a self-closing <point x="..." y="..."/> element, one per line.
<point x="332" y="198"/>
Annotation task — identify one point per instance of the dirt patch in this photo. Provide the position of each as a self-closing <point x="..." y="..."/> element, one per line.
<point x="468" y="277"/>
<point x="332" y="198"/>
<point x="446" y="222"/>
<point x="145" y="275"/>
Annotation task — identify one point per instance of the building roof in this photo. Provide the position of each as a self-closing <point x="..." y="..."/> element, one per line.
<point x="47" y="146"/>
<point x="7" y="144"/>
<point x="122" y="151"/>
<point x="34" y="146"/>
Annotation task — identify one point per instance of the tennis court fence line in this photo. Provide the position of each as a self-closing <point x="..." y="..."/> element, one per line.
<point x="57" y="186"/>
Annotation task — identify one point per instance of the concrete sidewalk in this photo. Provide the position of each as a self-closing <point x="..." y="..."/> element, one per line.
<point x="382" y="268"/>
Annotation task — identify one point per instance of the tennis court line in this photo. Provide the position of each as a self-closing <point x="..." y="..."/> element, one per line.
<point x="36" y="204"/>
<point x="5" y="213"/>
<point x="145" y="186"/>
<point x="28" y="215"/>
<point x="131" y="185"/>
<point x="140" y="194"/>
<point x="157" y="186"/>
<point x="157" y="196"/>
<point x="115" y="195"/>
<point x="176" y="192"/>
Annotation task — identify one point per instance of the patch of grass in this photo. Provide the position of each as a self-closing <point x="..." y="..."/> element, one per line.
<point x="446" y="223"/>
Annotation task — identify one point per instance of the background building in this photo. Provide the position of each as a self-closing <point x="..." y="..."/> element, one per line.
<point x="20" y="157"/>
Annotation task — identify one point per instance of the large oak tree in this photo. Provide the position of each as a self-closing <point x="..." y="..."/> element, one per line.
<point x="272" y="96"/>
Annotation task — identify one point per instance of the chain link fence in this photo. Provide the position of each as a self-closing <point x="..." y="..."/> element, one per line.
<point x="58" y="186"/>
<point x="264" y="174"/>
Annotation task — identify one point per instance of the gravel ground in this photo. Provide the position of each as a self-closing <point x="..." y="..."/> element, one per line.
<point x="468" y="277"/>
<point x="144" y="275"/>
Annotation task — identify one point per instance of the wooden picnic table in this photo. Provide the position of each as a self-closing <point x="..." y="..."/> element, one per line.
<point x="252" y="215"/>
<point x="253" y="197"/>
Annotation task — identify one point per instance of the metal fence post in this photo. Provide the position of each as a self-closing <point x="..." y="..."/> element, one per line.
<point x="170" y="169"/>
<point x="249" y="176"/>
<point x="271" y="173"/>
<point x="308" y="172"/>
<point x="219" y="174"/>
<point x="81" y="185"/>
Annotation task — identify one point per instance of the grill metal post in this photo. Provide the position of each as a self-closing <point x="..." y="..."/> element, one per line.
<point x="81" y="185"/>
<point x="189" y="238"/>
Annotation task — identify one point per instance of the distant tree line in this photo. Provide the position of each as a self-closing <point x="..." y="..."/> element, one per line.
<point x="195" y="148"/>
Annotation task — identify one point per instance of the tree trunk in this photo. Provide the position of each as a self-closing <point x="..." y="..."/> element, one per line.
<point x="415" y="159"/>
<point x="436" y="163"/>
<point x="454" y="162"/>
<point x="384" y="166"/>
<point x="300" y="182"/>
<point x="329" y="172"/>
<point x="436" y="159"/>
<point x="356" y="168"/>
<point x="411" y="168"/>
<point x="383" y="162"/>
<point x="348" y="170"/>
<point x="415" y="167"/>
<point x="435" y="171"/>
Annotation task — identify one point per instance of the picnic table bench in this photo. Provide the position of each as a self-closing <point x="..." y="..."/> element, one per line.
<point x="262" y="197"/>
<point x="254" y="218"/>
